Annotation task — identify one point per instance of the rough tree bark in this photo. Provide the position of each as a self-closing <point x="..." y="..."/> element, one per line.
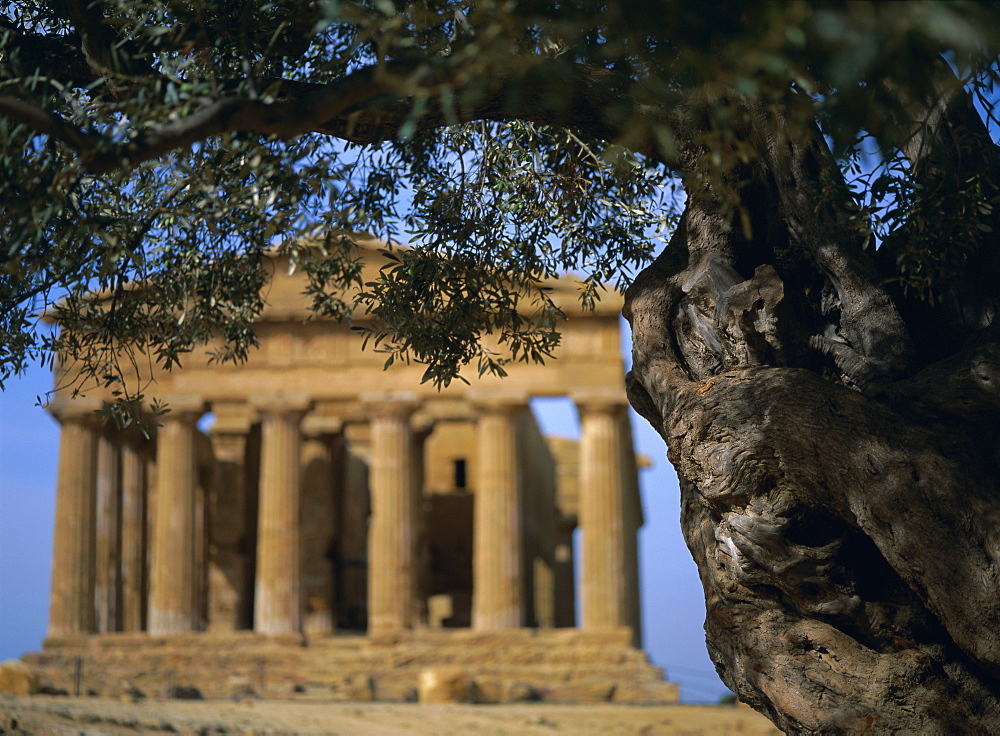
<point x="836" y="443"/>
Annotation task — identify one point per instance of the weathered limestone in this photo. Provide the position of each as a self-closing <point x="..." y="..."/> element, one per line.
<point x="502" y="666"/>
<point x="497" y="593"/>
<point x="391" y="537"/>
<point x="71" y="609"/>
<point x="172" y="546"/>
<point x="17" y="678"/>
<point x="278" y="595"/>
<point x="603" y="514"/>
<point x="133" y="513"/>
<point x="442" y="685"/>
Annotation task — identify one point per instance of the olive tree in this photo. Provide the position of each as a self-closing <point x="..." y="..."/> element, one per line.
<point x="816" y="344"/>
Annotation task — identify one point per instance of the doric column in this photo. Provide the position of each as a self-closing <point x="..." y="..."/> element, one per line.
<point x="106" y="544"/>
<point x="172" y="545"/>
<point x="133" y="513"/>
<point x="603" y="514"/>
<point x="497" y="564"/>
<point x="391" y="534"/>
<point x="71" y="609"/>
<point x="277" y="590"/>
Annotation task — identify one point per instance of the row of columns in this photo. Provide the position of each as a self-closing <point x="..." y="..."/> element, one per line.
<point x="609" y="574"/>
<point x="98" y="565"/>
<point x="608" y="518"/>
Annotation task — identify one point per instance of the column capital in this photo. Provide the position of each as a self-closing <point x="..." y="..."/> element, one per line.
<point x="602" y="402"/>
<point x="498" y="402"/>
<point x="83" y="410"/>
<point x="390" y="404"/>
<point x="423" y="427"/>
<point x="282" y="403"/>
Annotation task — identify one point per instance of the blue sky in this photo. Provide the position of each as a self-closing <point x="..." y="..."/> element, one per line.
<point x="673" y="603"/>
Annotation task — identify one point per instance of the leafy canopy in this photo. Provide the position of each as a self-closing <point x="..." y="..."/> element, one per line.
<point x="171" y="143"/>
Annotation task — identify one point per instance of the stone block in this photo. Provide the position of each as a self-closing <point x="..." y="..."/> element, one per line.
<point x="398" y="687"/>
<point x="488" y="690"/>
<point x="647" y="693"/>
<point x="17" y="678"/>
<point x="597" y="690"/>
<point x="353" y="688"/>
<point x="240" y="687"/>
<point x="442" y="685"/>
<point x="439" y="608"/>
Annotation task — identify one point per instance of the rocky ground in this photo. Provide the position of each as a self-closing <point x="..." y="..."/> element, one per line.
<point x="62" y="715"/>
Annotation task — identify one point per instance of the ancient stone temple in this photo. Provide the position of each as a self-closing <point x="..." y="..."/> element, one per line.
<point x="308" y="524"/>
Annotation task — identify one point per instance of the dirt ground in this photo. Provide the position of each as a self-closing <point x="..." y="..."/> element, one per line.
<point x="61" y="715"/>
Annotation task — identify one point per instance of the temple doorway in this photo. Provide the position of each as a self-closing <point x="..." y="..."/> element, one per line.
<point x="449" y="560"/>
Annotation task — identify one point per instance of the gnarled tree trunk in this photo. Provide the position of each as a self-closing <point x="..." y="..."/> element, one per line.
<point x="836" y="443"/>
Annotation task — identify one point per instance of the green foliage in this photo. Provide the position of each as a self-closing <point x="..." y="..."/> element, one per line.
<point x="151" y="151"/>
<point x="495" y="211"/>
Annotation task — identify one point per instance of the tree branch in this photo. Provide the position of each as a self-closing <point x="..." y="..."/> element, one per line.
<point x="371" y="105"/>
<point x="47" y="123"/>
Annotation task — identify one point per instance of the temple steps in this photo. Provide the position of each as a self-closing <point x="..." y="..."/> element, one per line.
<point x="554" y="665"/>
